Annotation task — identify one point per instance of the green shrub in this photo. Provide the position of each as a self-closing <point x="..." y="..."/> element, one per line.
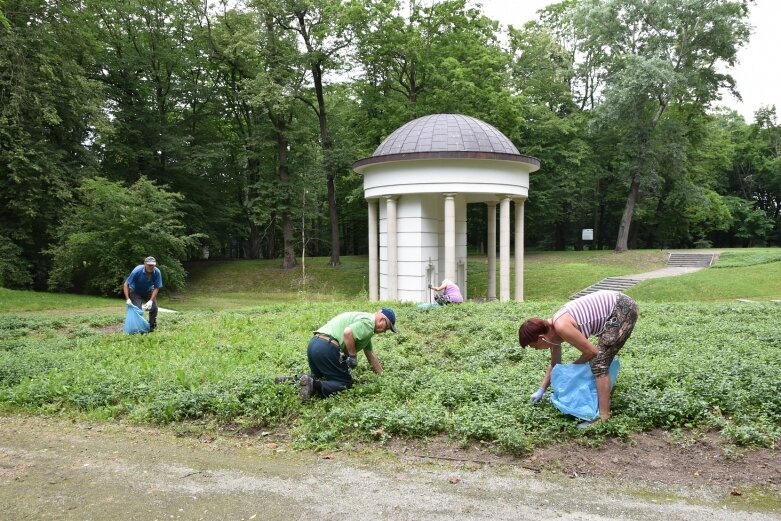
<point x="111" y="229"/>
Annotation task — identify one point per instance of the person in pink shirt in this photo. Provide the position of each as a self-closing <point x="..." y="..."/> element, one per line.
<point x="451" y="294"/>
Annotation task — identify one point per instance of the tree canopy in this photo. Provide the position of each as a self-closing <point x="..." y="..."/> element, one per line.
<point x="240" y="122"/>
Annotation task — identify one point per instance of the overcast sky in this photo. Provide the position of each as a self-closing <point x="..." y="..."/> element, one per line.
<point x="758" y="73"/>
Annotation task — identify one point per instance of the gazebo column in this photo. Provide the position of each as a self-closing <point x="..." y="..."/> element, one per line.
<point x="519" y="202"/>
<point x="491" y="246"/>
<point x="450" y="237"/>
<point x="393" y="252"/>
<point x="374" y="277"/>
<point x="504" y="249"/>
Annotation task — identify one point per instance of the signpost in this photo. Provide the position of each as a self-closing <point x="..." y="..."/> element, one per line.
<point x="588" y="234"/>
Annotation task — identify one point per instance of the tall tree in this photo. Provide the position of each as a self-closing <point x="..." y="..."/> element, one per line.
<point x="325" y="31"/>
<point x="566" y="194"/>
<point x="48" y="113"/>
<point x="656" y="53"/>
<point x="274" y="90"/>
<point x="236" y="55"/>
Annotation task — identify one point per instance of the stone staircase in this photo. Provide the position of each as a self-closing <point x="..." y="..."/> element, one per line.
<point x="614" y="283"/>
<point x="691" y="260"/>
<point x="675" y="260"/>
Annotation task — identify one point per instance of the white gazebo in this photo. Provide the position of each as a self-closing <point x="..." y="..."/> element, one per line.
<point x="418" y="183"/>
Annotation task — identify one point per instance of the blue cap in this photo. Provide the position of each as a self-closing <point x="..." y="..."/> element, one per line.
<point x="391" y="316"/>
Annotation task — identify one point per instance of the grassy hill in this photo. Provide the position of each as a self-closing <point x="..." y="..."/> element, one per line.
<point x="549" y="276"/>
<point x="454" y="371"/>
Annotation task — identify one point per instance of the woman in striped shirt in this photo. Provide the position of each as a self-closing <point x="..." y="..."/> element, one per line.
<point x="608" y="315"/>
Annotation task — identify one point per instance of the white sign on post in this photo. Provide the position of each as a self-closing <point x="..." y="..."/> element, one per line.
<point x="588" y="234"/>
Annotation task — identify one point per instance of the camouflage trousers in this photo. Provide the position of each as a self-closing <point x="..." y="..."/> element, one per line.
<point x="618" y="329"/>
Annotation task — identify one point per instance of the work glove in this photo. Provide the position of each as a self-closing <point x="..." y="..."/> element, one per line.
<point x="537" y="395"/>
<point x="430" y="287"/>
<point x="351" y="361"/>
<point x="129" y="302"/>
<point x="147" y="306"/>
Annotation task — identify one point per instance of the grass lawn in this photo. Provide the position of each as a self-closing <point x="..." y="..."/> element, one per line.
<point x="456" y="370"/>
<point x="753" y="274"/>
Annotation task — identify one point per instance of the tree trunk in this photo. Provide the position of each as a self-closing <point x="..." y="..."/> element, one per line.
<point x="254" y="240"/>
<point x="634" y="189"/>
<point x="626" y="218"/>
<point x="334" y="222"/>
<point x="288" y="256"/>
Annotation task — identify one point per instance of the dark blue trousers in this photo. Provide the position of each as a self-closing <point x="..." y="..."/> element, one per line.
<point x="140" y="300"/>
<point x="326" y="365"/>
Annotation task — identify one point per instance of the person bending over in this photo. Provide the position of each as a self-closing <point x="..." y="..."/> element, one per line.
<point x="141" y="288"/>
<point x="451" y="293"/>
<point x="608" y="315"/>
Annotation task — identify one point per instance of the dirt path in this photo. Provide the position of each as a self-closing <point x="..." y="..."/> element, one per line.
<point x="54" y="469"/>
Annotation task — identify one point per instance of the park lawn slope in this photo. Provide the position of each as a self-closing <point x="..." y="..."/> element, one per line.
<point x="456" y="371"/>
<point x="753" y="277"/>
<point x="218" y="285"/>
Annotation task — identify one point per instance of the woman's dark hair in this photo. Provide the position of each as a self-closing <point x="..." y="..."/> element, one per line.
<point x="531" y="331"/>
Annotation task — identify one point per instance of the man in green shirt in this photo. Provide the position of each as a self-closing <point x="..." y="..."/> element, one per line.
<point x="332" y="352"/>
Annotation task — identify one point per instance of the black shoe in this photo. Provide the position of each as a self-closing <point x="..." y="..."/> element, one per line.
<point x="307" y="387"/>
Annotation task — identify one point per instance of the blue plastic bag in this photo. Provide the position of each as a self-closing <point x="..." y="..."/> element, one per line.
<point x="575" y="389"/>
<point x="135" y="321"/>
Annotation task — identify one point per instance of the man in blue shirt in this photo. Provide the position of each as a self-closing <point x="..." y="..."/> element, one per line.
<point x="141" y="285"/>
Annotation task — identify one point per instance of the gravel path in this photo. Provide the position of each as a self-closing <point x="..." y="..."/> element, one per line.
<point x="54" y="469"/>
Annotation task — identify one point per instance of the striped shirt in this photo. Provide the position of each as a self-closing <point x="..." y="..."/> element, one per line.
<point x="591" y="311"/>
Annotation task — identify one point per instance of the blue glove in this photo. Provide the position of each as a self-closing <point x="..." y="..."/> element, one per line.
<point x="537" y="395"/>
<point x="352" y="361"/>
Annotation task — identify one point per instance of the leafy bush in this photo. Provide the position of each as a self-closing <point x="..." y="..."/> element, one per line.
<point x="112" y="229"/>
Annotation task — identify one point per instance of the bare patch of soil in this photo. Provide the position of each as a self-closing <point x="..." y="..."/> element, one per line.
<point x="110" y="329"/>
<point x="648" y="457"/>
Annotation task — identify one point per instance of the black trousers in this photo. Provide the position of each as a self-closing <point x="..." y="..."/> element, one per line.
<point x="327" y="366"/>
<point x="140" y="300"/>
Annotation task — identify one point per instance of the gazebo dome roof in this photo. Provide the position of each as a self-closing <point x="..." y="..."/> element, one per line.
<point x="446" y="133"/>
<point x="445" y="136"/>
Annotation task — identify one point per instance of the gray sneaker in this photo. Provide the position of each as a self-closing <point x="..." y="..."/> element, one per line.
<point x="287" y="379"/>
<point x="307" y="387"/>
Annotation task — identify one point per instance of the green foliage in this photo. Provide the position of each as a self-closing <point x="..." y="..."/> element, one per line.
<point x="456" y="371"/>
<point x="113" y="228"/>
<point x="13" y="267"/>
<point x="749" y="224"/>
<point x="48" y="106"/>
